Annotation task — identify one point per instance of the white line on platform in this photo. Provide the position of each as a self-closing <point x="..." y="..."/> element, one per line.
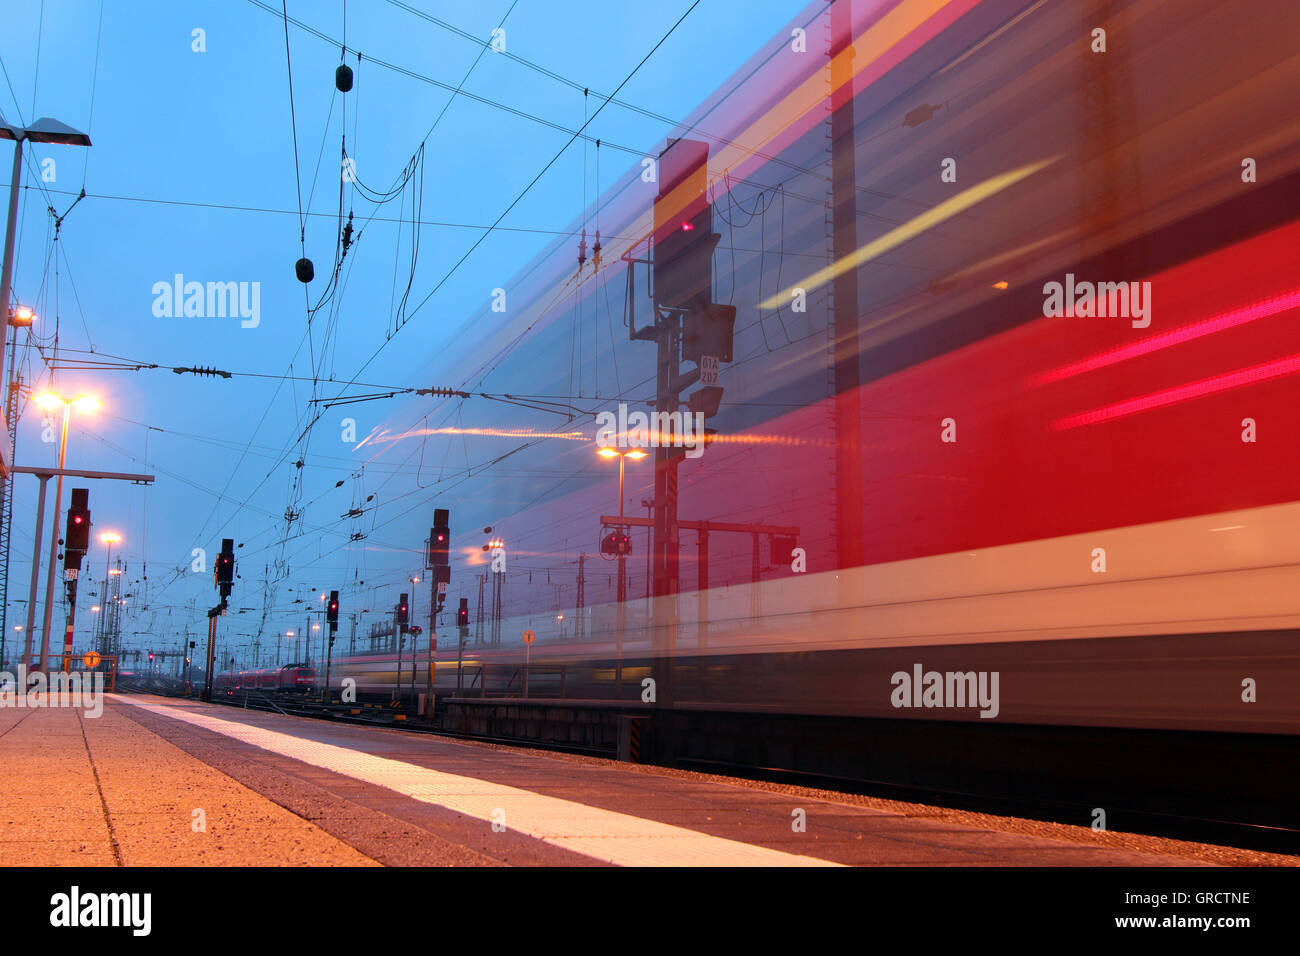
<point x="606" y="835"/>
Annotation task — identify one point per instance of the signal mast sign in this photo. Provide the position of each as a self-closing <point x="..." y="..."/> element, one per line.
<point x="708" y="370"/>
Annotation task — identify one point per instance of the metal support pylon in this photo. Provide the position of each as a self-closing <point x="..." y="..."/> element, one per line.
<point x="6" y="512"/>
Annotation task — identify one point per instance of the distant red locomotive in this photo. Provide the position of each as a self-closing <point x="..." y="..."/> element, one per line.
<point x="289" y="679"/>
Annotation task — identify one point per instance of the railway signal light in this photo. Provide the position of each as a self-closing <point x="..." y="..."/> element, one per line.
<point x="76" y="539"/>
<point x="403" y="610"/>
<point x="706" y="400"/>
<point x="440" y="539"/>
<point x="682" y="269"/>
<point x="332" y="611"/>
<point x="708" y="330"/>
<point x="462" y="613"/>
<point x="225" y="570"/>
<point x="616" y="542"/>
<point x="683" y="226"/>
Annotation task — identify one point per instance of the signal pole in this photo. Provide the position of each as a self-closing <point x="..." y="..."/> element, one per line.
<point x="400" y="618"/>
<point x="225" y="580"/>
<point x="478" y="618"/>
<point x="688" y="325"/>
<point x="76" y="544"/>
<point x="580" y="625"/>
<point x="438" y="561"/>
<point x="462" y="632"/>
<point x="332" y="618"/>
<point x="54" y="541"/>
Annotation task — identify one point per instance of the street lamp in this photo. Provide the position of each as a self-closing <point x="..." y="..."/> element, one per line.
<point x="636" y="454"/>
<point x="44" y="130"/>
<point x="50" y="401"/>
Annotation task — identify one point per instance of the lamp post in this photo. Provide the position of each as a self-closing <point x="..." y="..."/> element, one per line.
<point x="50" y="401"/>
<point x="44" y="130"/>
<point x="111" y="618"/>
<point x="636" y="454"/>
<point x="109" y="538"/>
<point x="3" y="658"/>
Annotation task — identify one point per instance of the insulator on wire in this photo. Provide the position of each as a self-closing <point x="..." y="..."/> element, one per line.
<point x="304" y="270"/>
<point x="343" y="78"/>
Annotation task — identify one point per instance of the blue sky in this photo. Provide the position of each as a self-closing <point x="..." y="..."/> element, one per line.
<point x="201" y="130"/>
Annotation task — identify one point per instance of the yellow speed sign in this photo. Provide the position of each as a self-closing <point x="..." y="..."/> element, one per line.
<point x="530" y="636"/>
<point x="91" y="659"/>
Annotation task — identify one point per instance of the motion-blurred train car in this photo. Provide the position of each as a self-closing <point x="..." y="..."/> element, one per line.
<point x="1013" y="387"/>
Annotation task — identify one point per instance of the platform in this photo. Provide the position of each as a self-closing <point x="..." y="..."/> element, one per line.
<point x="132" y="786"/>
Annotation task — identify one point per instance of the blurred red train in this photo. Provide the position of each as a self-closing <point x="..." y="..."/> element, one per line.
<point x="289" y="679"/>
<point x="921" y="465"/>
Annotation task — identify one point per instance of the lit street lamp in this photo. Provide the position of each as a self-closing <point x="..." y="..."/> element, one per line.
<point x="20" y="317"/>
<point x="636" y="454"/>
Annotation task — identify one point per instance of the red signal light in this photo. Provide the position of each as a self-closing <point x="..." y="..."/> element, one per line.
<point x="687" y="226"/>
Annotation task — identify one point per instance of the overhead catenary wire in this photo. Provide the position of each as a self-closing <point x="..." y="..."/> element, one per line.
<point x="94" y="88"/>
<point x="514" y="202"/>
<point x="304" y="212"/>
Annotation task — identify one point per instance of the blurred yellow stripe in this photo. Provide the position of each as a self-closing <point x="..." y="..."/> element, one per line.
<point x="909" y="230"/>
